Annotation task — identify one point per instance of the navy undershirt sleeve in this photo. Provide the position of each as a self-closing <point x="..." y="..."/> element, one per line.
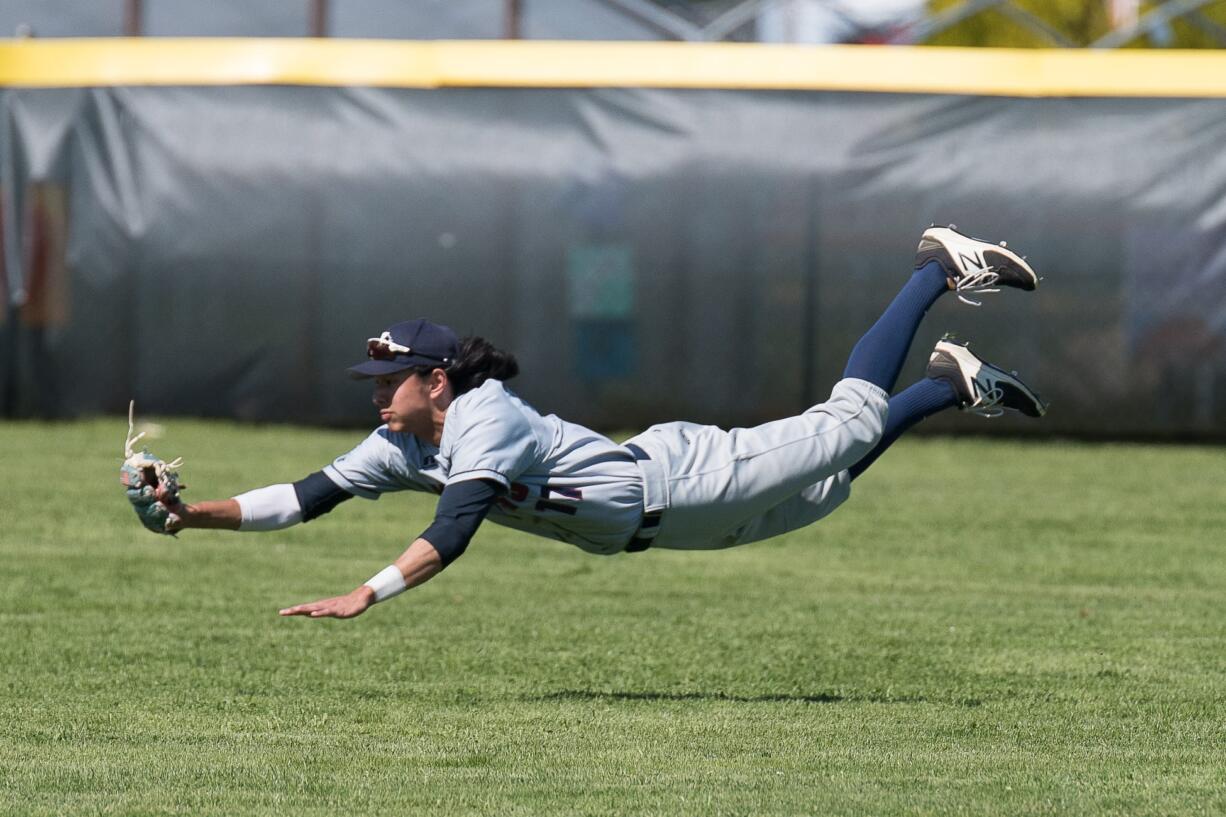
<point x="317" y="495"/>
<point x="461" y="508"/>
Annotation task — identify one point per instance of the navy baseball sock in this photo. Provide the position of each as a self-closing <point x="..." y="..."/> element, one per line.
<point x="907" y="408"/>
<point x="879" y="355"/>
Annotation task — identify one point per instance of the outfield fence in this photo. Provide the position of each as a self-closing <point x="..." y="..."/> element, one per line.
<point x="658" y="231"/>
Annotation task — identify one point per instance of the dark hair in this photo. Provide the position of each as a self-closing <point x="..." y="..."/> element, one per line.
<point x="477" y="361"/>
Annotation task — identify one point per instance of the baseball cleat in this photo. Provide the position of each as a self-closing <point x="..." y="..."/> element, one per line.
<point x="973" y="265"/>
<point x="982" y="388"/>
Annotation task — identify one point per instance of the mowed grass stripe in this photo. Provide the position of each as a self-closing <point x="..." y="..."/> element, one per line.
<point x="989" y="627"/>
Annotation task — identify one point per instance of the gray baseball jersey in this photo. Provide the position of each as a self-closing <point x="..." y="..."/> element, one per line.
<point x="716" y="488"/>
<point x="563" y="481"/>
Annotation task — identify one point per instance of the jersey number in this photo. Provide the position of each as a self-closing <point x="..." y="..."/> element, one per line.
<point x="521" y="493"/>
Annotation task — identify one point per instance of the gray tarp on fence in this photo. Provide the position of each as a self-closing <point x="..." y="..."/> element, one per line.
<point x="649" y="254"/>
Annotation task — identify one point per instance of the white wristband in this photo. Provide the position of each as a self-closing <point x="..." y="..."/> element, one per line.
<point x="386" y="583"/>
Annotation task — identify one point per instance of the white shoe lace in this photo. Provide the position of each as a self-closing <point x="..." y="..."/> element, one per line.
<point x="132" y="440"/>
<point x="988" y="404"/>
<point x="982" y="281"/>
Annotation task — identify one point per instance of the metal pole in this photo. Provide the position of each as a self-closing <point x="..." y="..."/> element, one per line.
<point x="319" y="18"/>
<point x="512" y="19"/>
<point x="133" y="18"/>
<point x="656" y="18"/>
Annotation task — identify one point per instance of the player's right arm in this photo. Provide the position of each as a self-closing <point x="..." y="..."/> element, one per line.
<point x="461" y="509"/>
<point x="419" y="563"/>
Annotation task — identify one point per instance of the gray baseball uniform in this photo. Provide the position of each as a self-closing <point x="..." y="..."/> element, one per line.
<point x="713" y="488"/>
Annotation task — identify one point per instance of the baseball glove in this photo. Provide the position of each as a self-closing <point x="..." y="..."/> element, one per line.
<point x="151" y="484"/>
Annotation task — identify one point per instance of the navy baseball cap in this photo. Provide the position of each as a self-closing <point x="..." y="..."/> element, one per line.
<point x="405" y="345"/>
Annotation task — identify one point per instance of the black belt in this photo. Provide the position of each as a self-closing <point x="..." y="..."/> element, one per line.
<point x="650" y="525"/>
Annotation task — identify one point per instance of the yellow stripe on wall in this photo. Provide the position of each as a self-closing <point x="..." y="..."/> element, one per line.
<point x="537" y="64"/>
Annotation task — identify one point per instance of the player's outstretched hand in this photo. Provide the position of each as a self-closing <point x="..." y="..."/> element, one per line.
<point x="346" y="606"/>
<point x="170" y="500"/>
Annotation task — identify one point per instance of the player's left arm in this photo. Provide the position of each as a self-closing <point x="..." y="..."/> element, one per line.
<point x="461" y="509"/>
<point x="273" y="507"/>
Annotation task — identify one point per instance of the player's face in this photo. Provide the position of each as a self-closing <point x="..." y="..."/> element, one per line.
<point x="403" y="400"/>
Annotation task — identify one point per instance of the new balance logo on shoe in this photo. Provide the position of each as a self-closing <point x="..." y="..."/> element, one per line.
<point x="973" y="265"/>
<point x="982" y="388"/>
<point x="972" y="261"/>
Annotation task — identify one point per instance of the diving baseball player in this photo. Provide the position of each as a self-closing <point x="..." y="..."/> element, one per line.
<point x="450" y="426"/>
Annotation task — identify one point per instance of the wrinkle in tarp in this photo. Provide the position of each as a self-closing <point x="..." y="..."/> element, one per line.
<point x="648" y="254"/>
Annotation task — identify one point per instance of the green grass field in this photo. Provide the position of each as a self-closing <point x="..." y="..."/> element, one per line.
<point x="985" y="628"/>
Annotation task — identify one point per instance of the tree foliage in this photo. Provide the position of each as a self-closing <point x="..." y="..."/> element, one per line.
<point x="1076" y="22"/>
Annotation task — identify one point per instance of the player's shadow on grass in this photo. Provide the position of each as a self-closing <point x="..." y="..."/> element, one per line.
<point x="819" y="698"/>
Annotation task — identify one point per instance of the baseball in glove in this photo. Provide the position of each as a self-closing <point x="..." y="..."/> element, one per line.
<point x="151" y="484"/>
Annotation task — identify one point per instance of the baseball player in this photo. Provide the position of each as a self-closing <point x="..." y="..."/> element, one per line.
<point x="451" y="427"/>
